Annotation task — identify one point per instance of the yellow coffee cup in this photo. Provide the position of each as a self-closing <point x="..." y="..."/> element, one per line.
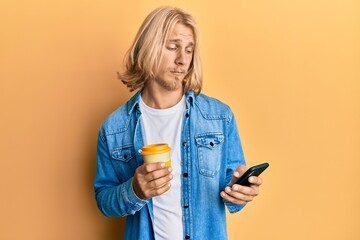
<point x="156" y="153"/>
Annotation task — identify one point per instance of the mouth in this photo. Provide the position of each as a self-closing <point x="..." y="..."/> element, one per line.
<point x="177" y="72"/>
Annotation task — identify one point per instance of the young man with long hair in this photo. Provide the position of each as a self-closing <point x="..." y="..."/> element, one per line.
<point x="164" y="67"/>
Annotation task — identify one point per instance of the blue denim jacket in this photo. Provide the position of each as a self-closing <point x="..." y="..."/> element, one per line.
<point x="210" y="152"/>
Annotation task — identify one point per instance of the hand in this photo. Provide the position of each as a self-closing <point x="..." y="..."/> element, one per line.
<point x="151" y="179"/>
<point x="239" y="194"/>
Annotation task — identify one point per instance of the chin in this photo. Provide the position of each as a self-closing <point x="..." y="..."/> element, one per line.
<point x="172" y="84"/>
<point x="173" y="88"/>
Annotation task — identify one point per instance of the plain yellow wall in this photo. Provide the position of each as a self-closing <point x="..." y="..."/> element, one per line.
<point x="290" y="70"/>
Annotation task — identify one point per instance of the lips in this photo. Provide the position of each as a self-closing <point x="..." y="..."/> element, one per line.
<point x="178" y="72"/>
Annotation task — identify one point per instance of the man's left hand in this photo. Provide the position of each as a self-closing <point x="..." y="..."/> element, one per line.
<point x="239" y="194"/>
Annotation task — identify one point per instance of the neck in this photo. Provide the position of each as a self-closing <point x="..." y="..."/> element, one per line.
<point x="160" y="99"/>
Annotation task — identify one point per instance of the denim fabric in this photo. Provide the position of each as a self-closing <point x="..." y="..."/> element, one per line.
<point x="210" y="152"/>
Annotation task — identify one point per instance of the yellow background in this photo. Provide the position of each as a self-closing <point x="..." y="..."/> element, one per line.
<point x="290" y="70"/>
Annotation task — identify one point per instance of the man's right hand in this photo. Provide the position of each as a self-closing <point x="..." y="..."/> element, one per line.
<point x="151" y="179"/>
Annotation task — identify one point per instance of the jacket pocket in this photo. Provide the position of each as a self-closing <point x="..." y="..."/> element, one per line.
<point x="209" y="148"/>
<point x="124" y="161"/>
<point x="123" y="153"/>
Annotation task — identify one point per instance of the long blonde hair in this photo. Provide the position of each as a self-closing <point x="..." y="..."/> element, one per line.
<point x="143" y="58"/>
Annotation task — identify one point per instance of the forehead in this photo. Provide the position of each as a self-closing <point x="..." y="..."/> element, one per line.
<point x="181" y="33"/>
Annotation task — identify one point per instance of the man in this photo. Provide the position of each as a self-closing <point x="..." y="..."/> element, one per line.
<point x="164" y="65"/>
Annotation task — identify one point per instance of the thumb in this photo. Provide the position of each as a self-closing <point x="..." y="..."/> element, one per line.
<point x="238" y="172"/>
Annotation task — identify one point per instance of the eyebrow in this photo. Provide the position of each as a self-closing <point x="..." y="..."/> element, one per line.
<point x="179" y="41"/>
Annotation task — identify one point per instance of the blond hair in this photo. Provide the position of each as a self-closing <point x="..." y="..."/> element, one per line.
<point x="143" y="58"/>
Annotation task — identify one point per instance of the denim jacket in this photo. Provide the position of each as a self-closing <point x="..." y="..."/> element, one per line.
<point x="210" y="152"/>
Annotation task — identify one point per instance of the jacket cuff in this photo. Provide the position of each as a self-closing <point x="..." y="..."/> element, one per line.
<point x="128" y="191"/>
<point x="233" y="208"/>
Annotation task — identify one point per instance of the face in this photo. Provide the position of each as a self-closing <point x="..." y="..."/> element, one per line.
<point x="176" y="58"/>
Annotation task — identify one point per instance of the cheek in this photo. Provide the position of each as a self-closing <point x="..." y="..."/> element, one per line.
<point x="162" y="67"/>
<point x="165" y="62"/>
<point x="165" y="68"/>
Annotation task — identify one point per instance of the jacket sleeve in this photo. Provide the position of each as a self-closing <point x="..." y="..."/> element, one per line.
<point x="235" y="158"/>
<point x="114" y="198"/>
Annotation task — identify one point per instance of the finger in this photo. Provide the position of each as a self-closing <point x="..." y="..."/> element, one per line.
<point x="160" y="181"/>
<point x="238" y="172"/>
<point x="239" y="195"/>
<point x="156" y="174"/>
<point x="251" y="191"/>
<point x="142" y="177"/>
<point x="241" y="170"/>
<point x="255" y="180"/>
<point x="158" y="191"/>
<point x="150" y="167"/>
<point x="231" y="199"/>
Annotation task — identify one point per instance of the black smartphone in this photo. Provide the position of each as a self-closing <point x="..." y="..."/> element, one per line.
<point x="253" y="171"/>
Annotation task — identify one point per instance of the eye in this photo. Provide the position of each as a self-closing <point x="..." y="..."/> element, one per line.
<point x="189" y="51"/>
<point x="171" y="48"/>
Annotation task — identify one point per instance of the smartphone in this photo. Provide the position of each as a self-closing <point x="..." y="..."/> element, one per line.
<point x="253" y="171"/>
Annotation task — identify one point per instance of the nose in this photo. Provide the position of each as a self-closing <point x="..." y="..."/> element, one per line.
<point x="180" y="58"/>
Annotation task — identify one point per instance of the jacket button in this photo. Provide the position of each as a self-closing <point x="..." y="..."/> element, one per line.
<point x="185" y="174"/>
<point x="187" y="237"/>
<point x="186" y="206"/>
<point x="184" y="144"/>
<point x="187" y="115"/>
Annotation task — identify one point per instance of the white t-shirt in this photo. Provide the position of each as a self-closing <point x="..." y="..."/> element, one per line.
<point x="164" y="126"/>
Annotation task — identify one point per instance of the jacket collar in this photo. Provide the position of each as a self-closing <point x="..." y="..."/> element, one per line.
<point x="190" y="99"/>
<point x="134" y="101"/>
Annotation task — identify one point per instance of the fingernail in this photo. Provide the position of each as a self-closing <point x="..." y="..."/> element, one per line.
<point x="170" y="176"/>
<point x="163" y="165"/>
<point x="252" y="179"/>
<point x="222" y="194"/>
<point x="227" y="189"/>
<point x="170" y="169"/>
<point x="236" y="174"/>
<point x="235" y="188"/>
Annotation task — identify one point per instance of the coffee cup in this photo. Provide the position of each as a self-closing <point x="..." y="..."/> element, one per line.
<point x="156" y="153"/>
